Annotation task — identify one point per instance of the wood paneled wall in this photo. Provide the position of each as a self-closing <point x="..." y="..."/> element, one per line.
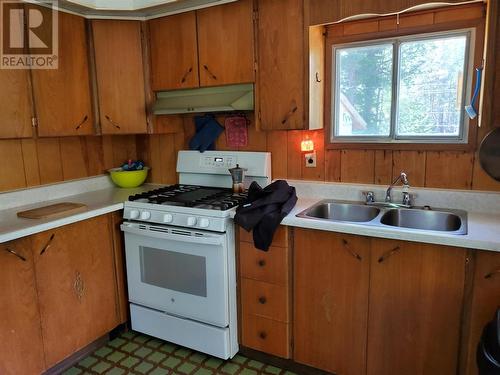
<point x="437" y="169"/>
<point x="32" y="162"/>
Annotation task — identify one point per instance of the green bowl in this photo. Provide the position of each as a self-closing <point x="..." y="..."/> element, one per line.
<point x="128" y="179"/>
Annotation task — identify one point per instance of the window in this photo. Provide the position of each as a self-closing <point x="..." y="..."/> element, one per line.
<point x="409" y="89"/>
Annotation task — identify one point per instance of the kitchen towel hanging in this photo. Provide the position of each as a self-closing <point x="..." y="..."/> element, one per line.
<point x="264" y="210"/>
<point x="207" y="132"/>
<point x="236" y="131"/>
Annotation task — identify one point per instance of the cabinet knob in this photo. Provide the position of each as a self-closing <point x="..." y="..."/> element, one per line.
<point x="263" y="335"/>
<point x="261" y="263"/>
<point x="262" y="300"/>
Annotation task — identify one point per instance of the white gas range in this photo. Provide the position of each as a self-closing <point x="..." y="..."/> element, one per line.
<point x="180" y="252"/>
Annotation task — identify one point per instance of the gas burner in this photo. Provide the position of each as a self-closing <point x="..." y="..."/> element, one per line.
<point x="204" y="197"/>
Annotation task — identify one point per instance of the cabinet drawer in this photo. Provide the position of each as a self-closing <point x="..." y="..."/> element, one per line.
<point x="280" y="236"/>
<point x="270" y="266"/>
<point x="266" y="335"/>
<point x="264" y="299"/>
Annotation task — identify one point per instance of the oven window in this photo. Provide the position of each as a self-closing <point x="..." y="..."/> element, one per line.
<point x="183" y="273"/>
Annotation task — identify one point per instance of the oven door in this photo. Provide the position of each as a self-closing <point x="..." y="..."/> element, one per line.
<point x="180" y="272"/>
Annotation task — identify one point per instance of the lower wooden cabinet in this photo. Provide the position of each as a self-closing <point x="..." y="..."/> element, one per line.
<point x="331" y="277"/>
<point x="415" y="309"/>
<point x="76" y="286"/>
<point x="373" y="306"/>
<point x="21" y="347"/>
<point x="265" y="295"/>
<point x="59" y="291"/>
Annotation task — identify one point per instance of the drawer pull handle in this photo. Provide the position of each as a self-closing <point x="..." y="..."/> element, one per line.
<point x="80" y="124"/>
<point x="47" y="245"/>
<point x="112" y="122"/>
<point x="13" y="252"/>
<point x="185" y="76"/>
<point x="261" y="263"/>
<point x="388" y="254"/>
<point x="263" y="335"/>
<point x="492" y="273"/>
<point x="213" y="76"/>
<point x="262" y="300"/>
<point x="289" y="114"/>
<point x="351" y="251"/>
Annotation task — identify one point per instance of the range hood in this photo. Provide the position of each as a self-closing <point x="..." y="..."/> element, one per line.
<point x="206" y="99"/>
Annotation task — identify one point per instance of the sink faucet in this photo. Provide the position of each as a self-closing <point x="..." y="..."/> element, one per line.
<point x="406" y="196"/>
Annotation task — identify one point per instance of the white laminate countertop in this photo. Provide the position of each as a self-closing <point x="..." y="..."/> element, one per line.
<point x="483" y="229"/>
<point x="102" y="199"/>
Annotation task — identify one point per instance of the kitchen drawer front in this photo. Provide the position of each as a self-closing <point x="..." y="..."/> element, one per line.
<point x="280" y="236"/>
<point x="266" y="335"/>
<point x="265" y="300"/>
<point x="270" y="266"/>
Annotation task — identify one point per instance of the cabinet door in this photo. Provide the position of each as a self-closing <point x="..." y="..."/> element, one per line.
<point x="76" y="286"/>
<point x="62" y="95"/>
<point x="174" y="52"/>
<point x="331" y="274"/>
<point x="21" y="348"/>
<point x="120" y="76"/>
<point x="416" y="296"/>
<point x="16" y="110"/>
<point x="226" y="44"/>
<point x="281" y="64"/>
<point x="485" y="301"/>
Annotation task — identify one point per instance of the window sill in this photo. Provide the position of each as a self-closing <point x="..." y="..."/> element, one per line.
<point x="401" y="146"/>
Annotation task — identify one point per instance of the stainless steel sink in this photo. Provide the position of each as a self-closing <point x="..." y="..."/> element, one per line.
<point x="443" y="221"/>
<point x="341" y="211"/>
<point x="383" y="215"/>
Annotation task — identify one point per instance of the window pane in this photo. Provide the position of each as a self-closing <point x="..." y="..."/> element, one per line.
<point x="430" y="87"/>
<point x="363" y="97"/>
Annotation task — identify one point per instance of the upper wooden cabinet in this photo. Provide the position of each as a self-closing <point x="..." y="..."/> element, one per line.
<point x="174" y="52"/>
<point x="62" y="95"/>
<point x="209" y="47"/>
<point x="281" y="64"/>
<point x="120" y="76"/>
<point x="226" y="44"/>
<point x="16" y="110"/>
<point x="21" y="348"/>
<point x="415" y="310"/>
<point x="76" y="286"/>
<point x="331" y="281"/>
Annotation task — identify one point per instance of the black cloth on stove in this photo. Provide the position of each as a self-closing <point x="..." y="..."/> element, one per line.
<point x="264" y="209"/>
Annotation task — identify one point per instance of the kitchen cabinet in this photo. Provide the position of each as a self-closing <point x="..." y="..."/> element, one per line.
<point x="264" y="289"/>
<point x="484" y="301"/>
<point x="21" y="348"/>
<point x="290" y="67"/>
<point x="331" y="284"/>
<point x="120" y="76"/>
<point x="16" y="110"/>
<point x="226" y="44"/>
<point x="174" y="52"/>
<point x="209" y="47"/>
<point x="416" y="297"/>
<point x="76" y="285"/>
<point x="63" y="95"/>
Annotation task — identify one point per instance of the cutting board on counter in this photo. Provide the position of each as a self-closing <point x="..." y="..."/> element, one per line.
<point x="53" y="210"/>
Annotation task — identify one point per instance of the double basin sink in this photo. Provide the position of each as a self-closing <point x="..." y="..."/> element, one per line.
<point x="415" y="218"/>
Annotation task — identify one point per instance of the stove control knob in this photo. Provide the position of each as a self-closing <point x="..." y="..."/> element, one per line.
<point x="191" y="221"/>
<point x="168" y="218"/>
<point x="145" y="215"/>
<point x="134" y="214"/>
<point x="204" y="223"/>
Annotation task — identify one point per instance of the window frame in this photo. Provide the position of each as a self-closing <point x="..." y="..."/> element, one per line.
<point x="475" y="49"/>
<point x="396" y="43"/>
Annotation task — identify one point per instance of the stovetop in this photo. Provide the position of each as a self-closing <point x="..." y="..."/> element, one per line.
<point x="204" y="197"/>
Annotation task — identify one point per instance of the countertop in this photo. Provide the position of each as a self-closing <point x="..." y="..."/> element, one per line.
<point x="483" y="229"/>
<point x="99" y="202"/>
<point x="101" y="197"/>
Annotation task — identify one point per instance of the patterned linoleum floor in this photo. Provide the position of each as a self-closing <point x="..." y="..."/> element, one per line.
<point x="134" y="353"/>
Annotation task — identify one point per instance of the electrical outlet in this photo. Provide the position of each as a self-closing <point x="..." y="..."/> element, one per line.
<point x="311" y="160"/>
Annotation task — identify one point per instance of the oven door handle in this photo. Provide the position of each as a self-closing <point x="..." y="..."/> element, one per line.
<point x="212" y="240"/>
